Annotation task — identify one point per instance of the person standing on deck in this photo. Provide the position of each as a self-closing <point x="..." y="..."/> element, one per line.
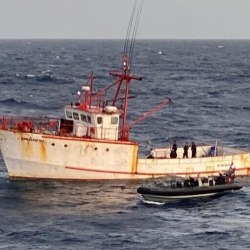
<point x="173" y="153"/>
<point x="185" y="148"/>
<point x="152" y="153"/>
<point x="193" y="149"/>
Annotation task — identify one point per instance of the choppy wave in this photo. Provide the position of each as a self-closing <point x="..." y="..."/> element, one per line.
<point x="13" y="103"/>
<point x="44" y="77"/>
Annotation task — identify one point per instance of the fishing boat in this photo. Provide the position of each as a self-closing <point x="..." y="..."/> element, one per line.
<point x="190" y="188"/>
<point x="92" y="141"/>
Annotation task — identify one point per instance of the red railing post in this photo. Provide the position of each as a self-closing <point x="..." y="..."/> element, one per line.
<point x="3" y="123"/>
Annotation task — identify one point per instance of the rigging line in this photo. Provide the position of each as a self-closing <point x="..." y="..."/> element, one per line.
<point x="135" y="32"/>
<point x="125" y="50"/>
<point x="169" y="115"/>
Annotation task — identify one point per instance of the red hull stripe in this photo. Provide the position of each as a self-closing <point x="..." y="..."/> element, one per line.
<point x="98" y="170"/>
<point x="150" y="174"/>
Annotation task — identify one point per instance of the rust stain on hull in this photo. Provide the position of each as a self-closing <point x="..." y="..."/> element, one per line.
<point x="134" y="160"/>
<point x="26" y="149"/>
<point x="43" y="151"/>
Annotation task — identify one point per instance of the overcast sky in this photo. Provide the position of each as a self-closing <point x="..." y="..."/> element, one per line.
<point x="191" y="19"/>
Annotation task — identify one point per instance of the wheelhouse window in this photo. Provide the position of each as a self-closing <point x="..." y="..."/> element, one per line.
<point x="99" y="120"/>
<point x="89" y="119"/>
<point x="69" y="114"/>
<point x="114" y="120"/>
<point x="76" y="116"/>
<point x="83" y="117"/>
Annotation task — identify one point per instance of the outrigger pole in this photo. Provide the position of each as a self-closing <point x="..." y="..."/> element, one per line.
<point x="150" y="112"/>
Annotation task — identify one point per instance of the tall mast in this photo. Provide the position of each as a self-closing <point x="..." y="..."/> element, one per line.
<point x="124" y="76"/>
<point x="122" y="82"/>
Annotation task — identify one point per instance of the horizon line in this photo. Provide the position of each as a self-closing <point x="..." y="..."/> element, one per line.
<point x="238" y="39"/>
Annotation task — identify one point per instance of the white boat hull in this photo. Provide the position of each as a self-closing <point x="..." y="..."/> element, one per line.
<point x="40" y="156"/>
<point x="29" y="155"/>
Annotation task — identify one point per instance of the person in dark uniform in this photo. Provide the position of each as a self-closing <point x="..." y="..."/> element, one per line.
<point x="173" y="153"/>
<point x="193" y="149"/>
<point x="185" y="148"/>
<point x="174" y="147"/>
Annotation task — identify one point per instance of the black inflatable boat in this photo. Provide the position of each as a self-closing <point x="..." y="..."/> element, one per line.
<point x="189" y="188"/>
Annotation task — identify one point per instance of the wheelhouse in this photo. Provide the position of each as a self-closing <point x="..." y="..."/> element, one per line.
<point x="93" y="123"/>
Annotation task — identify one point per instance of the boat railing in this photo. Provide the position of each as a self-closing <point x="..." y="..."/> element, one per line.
<point x="202" y="151"/>
<point x="29" y="124"/>
<point x="59" y="127"/>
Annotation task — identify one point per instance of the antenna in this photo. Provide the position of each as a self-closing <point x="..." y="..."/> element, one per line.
<point x="132" y="44"/>
<point x="124" y="76"/>
<point x="125" y="50"/>
<point x="131" y="35"/>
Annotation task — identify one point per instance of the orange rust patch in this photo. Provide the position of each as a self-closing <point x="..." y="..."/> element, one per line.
<point x="43" y="151"/>
<point x="26" y="149"/>
<point x="134" y="159"/>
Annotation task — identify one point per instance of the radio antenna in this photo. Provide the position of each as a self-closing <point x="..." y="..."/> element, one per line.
<point x="131" y="34"/>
